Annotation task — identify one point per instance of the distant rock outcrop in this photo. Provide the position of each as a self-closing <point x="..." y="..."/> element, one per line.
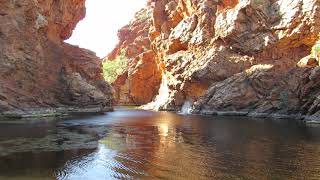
<point x="138" y="84"/>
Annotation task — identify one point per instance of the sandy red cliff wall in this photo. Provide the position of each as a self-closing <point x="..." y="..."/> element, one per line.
<point x="39" y="70"/>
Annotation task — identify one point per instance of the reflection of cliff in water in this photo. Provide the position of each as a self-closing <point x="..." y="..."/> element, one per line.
<point x="44" y="136"/>
<point x="49" y="164"/>
<point x="41" y="148"/>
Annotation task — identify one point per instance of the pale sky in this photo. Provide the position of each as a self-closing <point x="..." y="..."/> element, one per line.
<point x="98" y="31"/>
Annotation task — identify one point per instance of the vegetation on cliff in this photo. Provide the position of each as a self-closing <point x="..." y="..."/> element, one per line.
<point x="316" y="50"/>
<point x="112" y="69"/>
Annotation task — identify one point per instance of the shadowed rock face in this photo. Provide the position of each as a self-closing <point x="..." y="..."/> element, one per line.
<point x="38" y="70"/>
<point x="238" y="55"/>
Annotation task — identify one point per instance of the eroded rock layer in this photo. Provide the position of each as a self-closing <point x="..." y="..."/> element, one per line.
<point x="38" y="72"/>
<point x="247" y="57"/>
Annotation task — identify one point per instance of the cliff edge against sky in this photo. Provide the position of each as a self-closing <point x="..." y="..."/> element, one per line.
<point x="39" y="73"/>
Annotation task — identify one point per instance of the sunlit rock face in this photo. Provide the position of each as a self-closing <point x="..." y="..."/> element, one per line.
<point x="38" y="70"/>
<point x="247" y="56"/>
<point x="238" y="55"/>
<point x="139" y="82"/>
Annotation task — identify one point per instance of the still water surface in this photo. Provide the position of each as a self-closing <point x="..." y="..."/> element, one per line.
<point x="136" y="144"/>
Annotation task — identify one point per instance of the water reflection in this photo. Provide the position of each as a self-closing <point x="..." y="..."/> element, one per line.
<point x="158" y="145"/>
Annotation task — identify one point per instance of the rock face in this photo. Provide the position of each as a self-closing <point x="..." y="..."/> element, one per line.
<point x="37" y="70"/>
<point x="138" y="84"/>
<point x="247" y="56"/>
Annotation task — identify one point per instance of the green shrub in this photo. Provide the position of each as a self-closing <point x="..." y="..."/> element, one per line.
<point x="113" y="68"/>
<point x="142" y="15"/>
<point x="316" y="51"/>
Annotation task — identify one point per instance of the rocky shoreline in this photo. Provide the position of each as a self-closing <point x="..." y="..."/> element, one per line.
<point x="297" y="117"/>
<point x="34" y="113"/>
<point x="207" y="112"/>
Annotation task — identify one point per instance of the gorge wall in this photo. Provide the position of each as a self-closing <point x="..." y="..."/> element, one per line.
<point x="139" y="82"/>
<point x="39" y="73"/>
<point x="241" y="57"/>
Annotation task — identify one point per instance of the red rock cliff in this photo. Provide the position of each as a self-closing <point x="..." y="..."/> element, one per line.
<point x="246" y="56"/>
<point x="37" y="69"/>
<point x="140" y="81"/>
